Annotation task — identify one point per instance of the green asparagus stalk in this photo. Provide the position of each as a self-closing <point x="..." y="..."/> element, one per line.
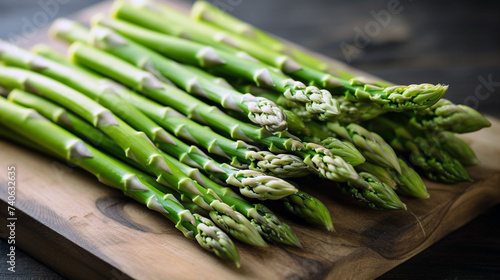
<point x="436" y="164"/>
<point x="180" y="25"/>
<point x="319" y="103"/>
<point x="70" y="122"/>
<point x="135" y="144"/>
<point x="188" y="204"/>
<point x="354" y="111"/>
<point x="308" y="208"/>
<point x="409" y="182"/>
<point x="446" y="116"/>
<point x="380" y="196"/>
<point x="423" y="150"/>
<point x="295" y="123"/>
<point x="265" y="221"/>
<point x="371" y="145"/>
<point x="458" y="148"/>
<point x="243" y="155"/>
<point x="393" y="98"/>
<point x="192" y="173"/>
<point x="206" y="12"/>
<point x="64" y="145"/>
<point x="128" y="51"/>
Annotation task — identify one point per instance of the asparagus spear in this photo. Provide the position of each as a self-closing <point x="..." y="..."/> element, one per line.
<point x="181" y="25"/>
<point x="446" y="116"/>
<point x="299" y="204"/>
<point x="157" y="112"/>
<point x="318" y="102"/>
<point x="309" y="208"/>
<point x="64" y="145"/>
<point x="152" y="14"/>
<point x="380" y="196"/>
<point x="357" y="111"/>
<point x="262" y="218"/>
<point x="135" y="144"/>
<point x="393" y="98"/>
<point x="243" y="231"/>
<point x="409" y="182"/>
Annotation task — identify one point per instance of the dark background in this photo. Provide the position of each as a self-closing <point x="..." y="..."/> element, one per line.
<point x="450" y="42"/>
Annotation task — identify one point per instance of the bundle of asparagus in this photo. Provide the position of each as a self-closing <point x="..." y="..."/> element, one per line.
<point x="180" y="112"/>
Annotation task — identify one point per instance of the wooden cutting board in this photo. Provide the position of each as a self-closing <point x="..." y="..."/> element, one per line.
<point x="83" y="229"/>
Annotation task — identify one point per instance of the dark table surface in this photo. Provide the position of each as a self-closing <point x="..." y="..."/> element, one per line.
<point x="451" y="42"/>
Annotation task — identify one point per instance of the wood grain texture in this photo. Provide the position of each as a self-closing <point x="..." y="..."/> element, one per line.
<point x="83" y="229"/>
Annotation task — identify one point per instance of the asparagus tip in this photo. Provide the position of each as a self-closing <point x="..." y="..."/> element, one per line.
<point x="265" y="113"/>
<point x="236" y="224"/>
<point x="309" y="208"/>
<point x="215" y="240"/>
<point x="271" y="228"/>
<point x="280" y="165"/>
<point x="258" y="185"/>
